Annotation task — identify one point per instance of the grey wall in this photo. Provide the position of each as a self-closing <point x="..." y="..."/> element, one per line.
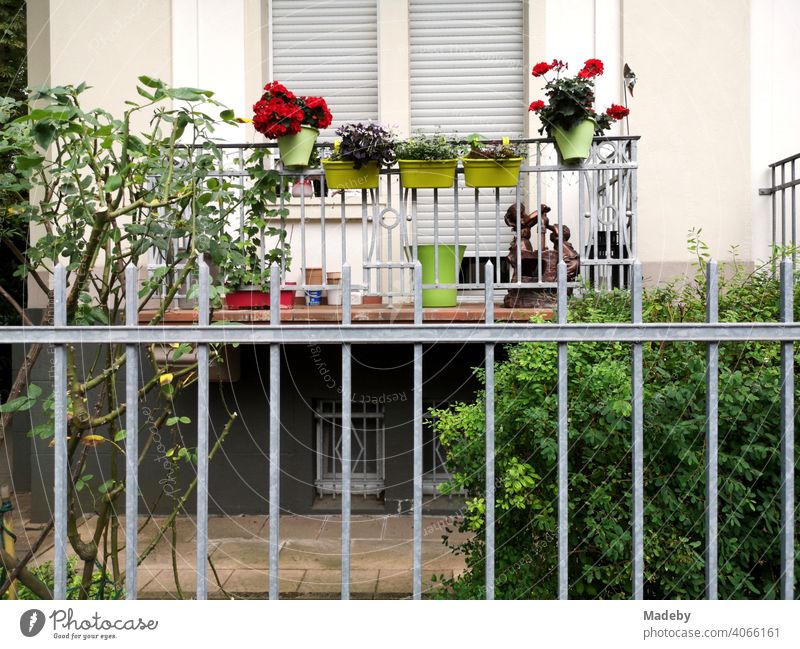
<point x="238" y="473"/>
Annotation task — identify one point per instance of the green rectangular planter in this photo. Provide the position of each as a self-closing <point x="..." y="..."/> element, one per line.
<point x="480" y="172"/>
<point x="340" y="174"/>
<point x="428" y="174"/>
<point x="426" y="253"/>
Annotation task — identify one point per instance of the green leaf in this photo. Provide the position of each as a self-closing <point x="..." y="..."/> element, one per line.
<point x="26" y="162"/>
<point x="113" y="183"/>
<point x="189" y="94"/>
<point x="24" y="402"/>
<point x="120" y="435"/>
<point x="150" y="82"/>
<point x="44" y="133"/>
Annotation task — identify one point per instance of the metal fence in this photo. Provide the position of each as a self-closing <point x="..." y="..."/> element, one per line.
<point x="487" y="333"/>
<point x="782" y="191"/>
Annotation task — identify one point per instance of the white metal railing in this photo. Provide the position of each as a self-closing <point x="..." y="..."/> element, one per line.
<point x="378" y="232"/>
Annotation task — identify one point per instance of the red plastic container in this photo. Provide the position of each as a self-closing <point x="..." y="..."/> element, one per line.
<point x="250" y="299"/>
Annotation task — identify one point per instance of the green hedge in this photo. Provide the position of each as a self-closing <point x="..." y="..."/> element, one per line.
<point x="600" y="460"/>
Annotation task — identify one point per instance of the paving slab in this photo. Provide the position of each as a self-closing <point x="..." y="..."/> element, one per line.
<point x="330" y="581"/>
<point x="397" y="555"/>
<point x="163" y="584"/>
<point x="401" y="581"/>
<point x="324" y="554"/>
<point x="242" y="527"/>
<point x="239" y="554"/>
<point x="257" y="581"/>
<point x="361" y="527"/>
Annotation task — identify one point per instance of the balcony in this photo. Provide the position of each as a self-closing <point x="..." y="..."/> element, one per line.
<point x="382" y="233"/>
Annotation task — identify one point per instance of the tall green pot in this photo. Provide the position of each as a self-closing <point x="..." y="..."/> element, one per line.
<point x="296" y="149"/>
<point x="426" y="253"/>
<point x="574" y="145"/>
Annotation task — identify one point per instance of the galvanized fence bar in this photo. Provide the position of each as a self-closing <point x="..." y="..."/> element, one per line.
<point x="418" y="441"/>
<point x="131" y="435"/>
<point x="61" y="459"/>
<point x="202" y="437"/>
<point x="712" y="437"/>
<point x="637" y="448"/>
<point x="787" y="436"/>
<point x="563" y="442"/>
<point x="274" y="435"/>
<point x="489" y="406"/>
<point x="347" y="432"/>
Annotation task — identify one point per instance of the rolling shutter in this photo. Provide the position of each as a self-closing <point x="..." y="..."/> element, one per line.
<point x="466" y="77"/>
<point x="329" y="49"/>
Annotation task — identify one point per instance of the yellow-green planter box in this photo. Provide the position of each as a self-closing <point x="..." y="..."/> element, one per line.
<point x="481" y="172"/>
<point x="340" y="174"/>
<point x="428" y="174"/>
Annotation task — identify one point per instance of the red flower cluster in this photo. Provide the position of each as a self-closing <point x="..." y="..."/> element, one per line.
<point x="316" y="112"/>
<point x="543" y="68"/>
<point x="280" y="112"/>
<point x="536" y="105"/>
<point x="615" y="111"/>
<point x="591" y="68"/>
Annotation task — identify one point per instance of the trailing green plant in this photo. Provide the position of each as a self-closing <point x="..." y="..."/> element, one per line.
<point x="599" y="455"/>
<point x="364" y="143"/>
<point x="102" y="585"/>
<point x="428" y="147"/>
<point x="481" y="148"/>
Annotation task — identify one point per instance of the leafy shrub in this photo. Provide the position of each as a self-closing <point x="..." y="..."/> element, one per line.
<point x="102" y="585"/>
<point x="600" y="460"/>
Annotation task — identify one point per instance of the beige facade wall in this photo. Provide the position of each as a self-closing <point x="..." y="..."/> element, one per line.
<point x="713" y="103"/>
<point x="691" y="107"/>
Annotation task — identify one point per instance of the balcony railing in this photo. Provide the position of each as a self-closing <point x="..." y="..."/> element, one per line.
<point x="380" y="232"/>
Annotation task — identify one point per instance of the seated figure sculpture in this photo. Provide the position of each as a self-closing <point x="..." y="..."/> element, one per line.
<point x="537" y="264"/>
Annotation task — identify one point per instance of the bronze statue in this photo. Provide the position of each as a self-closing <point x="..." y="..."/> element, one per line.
<point x="531" y="258"/>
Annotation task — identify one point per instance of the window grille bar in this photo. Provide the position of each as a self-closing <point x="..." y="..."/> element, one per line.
<point x="489" y="406"/>
<point x="347" y="431"/>
<point x="131" y="436"/>
<point x="563" y="442"/>
<point x="61" y="459"/>
<point x="202" y="437"/>
<point x="637" y="467"/>
<point x="787" y="436"/>
<point x="418" y="441"/>
<point x="274" y="436"/>
<point x="712" y="433"/>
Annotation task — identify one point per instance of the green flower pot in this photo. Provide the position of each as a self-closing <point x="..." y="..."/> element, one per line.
<point x="426" y="253"/>
<point x="431" y="174"/>
<point x="340" y="174"/>
<point x="574" y="145"/>
<point x="296" y="149"/>
<point x="480" y="172"/>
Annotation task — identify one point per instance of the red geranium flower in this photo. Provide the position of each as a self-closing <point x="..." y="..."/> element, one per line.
<point x="536" y="105"/>
<point x="541" y="68"/>
<point x="316" y="112"/>
<point x="615" y="111"/>
<point x="591" y="68"/>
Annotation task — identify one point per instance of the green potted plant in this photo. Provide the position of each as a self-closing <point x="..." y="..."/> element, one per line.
<point x="246" y="274"/>
<point x="569" y="116"/>
<point x="358" y="156"/>
<point x="492" y="163"/>
<point x="427" y="161"/>
<point x="293" y="121"/>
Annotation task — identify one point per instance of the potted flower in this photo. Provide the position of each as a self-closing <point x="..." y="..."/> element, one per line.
<point x="569" y="115"/>
<point x="291" y="120"/>
<point x="247" y="282"/>
<point x="491" y="163"/>
<point x="427" y="161"/>
<point x="358" y="156"/>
